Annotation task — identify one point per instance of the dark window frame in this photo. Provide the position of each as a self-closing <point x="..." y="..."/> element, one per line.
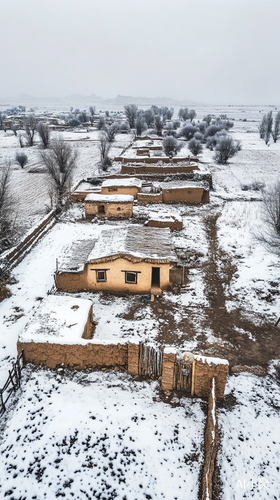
<point x="98" y="280"/>
<point x="129" y="282"/>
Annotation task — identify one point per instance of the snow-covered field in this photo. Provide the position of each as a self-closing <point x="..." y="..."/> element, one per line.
<point x="99" y="435"/>
<point x="228" y="307"/>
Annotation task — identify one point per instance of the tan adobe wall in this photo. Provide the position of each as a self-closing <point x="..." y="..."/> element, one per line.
<point x="211" y="436"/>
<point x="71" y="282"/>
<point x="114" y="209"/>
<point x="89" y="327"/>
<point x="75" y="356"/>
<point x="149" y="197"/>
<point x="156" y="169"/>
<point x="77" y="196"/>
<point x="204" y="372"/>
<point x="176" y="225"/>
<point x="116" y="277"/>
<point x="168" y="370"/>
<point x="185" y="195"/>
<point x="133" y="359"/>
<point x="132" y="190"/>
<point x="154" y="159"/>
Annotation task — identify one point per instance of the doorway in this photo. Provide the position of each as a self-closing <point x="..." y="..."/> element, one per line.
<point x="101" y="209"/>
<point x="156" y="277"/>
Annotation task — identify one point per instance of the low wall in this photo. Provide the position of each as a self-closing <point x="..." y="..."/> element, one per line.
<point x="114" y="209"/>
<point x="71" y="282"/>
<point x="76" y="356"/>
<point x="190" y="194"/>
<point x="157" y="169"/>
<point x="33" y="235"/>
<point x="183" y="373"/>
<point x="155" y="159"/>
<point x="211" y="436"/>
<point x="176" y="225"/>
<point x="149" y="198"/>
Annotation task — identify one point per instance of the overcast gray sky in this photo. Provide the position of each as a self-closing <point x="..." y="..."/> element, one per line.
<point x="219" y="51"/>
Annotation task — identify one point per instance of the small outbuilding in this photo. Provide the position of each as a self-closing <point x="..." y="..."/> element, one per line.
<point x="107" y="205"/>
<point x="130" y="186"/>
<point x="134" y="259"/>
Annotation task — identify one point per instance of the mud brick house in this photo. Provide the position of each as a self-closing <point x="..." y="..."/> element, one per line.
<point x="191" y="193"/>
<point x="108" y="205"/>
<point x="133" y="259"/>
<point x="130" y="186"/>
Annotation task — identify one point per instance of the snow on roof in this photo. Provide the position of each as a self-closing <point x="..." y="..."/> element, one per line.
<point x="180" y="185"/>
<point x="131" y="181"/>
<point x="57" y="316"/>
<point x="76" y="256"/>
<point x="136" y="241"/>
<point x="163" y="216"/>
<point x="110" y="198"/>
<point x="215" y="361"/>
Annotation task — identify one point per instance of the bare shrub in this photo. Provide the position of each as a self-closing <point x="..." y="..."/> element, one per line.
<point x="101" y="123"/>
<point x="226" y="148"/>
<point x="60" y="161"/>
<point x="21" y="159"/>
<point x="170" y="145"/>
<point x="158" y="121"/>
<point x="195" y="146"/>
<point x="187" y="132"/>
<point x="44" y="134"/>
<point x="91" y="114"/>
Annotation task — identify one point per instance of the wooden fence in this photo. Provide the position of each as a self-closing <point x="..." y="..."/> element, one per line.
<point x="12" y="383"/>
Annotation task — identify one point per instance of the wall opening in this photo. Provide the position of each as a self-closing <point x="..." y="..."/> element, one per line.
<point x="156" y="277"/>
<point x="101" y="209"/>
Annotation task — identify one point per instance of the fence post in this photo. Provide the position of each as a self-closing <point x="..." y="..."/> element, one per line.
<point x="2" y="401"/>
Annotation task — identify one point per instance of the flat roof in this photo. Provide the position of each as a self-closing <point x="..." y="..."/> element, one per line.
<point x="57" y="317"/>
<point x="131" y="181"/>
<point x="110" y="198"/>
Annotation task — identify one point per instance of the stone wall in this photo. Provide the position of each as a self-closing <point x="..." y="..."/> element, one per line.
<point x="174" y="224"/>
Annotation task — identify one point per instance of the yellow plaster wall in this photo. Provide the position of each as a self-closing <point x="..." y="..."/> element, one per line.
<point x="111" y="209"/>
<point x="116" y="278"/>
<point x="132" y="190"/>
<point x="187" y="195"/>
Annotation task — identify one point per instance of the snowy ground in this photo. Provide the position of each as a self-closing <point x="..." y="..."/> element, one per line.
<point x="249" y="454"/>
<point x="228" y="307"/>
<point x="99" y="435"/>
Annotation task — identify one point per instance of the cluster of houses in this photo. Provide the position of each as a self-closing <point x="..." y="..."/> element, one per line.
<point x="137" y="257"/>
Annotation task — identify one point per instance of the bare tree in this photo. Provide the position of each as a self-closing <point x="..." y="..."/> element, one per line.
<point x="30" y="125"/>
<point x="6" y="204"/>
<point x="192" y="114"/>
<point x="268" y="129"/>
<point x="207" y="119"/>
<point x="130" y="112"/>
<point x="60" y="161"/>
<point x="91" y="114"/>
<point x="158" y="124"/>
<point x="269" y="234"/>
<point x="276" y="129"/>
<point x="20" y="140"/>
<point x="101" y="124"/>
<point x="183" y="114"/>
<point x="104" y="147"/>
<point x="226" y="148"/>
<point x="149" y="117"/>
<point x="195" y="146"/>
<point x="111" y="131"/>
<point x="171" y="146"/>
<point x="44" y="133"/>
<point x="21" y="159"/>
<point x="14" y="128"/>
<point x="140" y="124"/>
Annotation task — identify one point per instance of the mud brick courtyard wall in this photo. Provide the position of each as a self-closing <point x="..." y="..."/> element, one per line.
<point x="96" y="355"/>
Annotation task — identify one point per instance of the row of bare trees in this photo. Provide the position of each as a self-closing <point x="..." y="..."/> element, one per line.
<point x="270" y="127"/>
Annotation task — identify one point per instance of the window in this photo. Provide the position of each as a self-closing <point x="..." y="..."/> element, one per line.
<point x="101" y="275"/>
<point x="130" y="277"/>
<point x="112" y="189"/>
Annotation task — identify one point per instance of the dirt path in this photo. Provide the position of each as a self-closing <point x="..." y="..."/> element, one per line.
<point x="235" y="336"/>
